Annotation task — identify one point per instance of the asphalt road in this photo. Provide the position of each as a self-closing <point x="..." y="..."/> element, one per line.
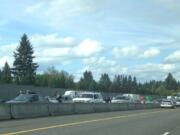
<point x="139" y="122"/>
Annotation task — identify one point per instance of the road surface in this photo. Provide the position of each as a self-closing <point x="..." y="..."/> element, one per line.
<point x="139" y="122"/>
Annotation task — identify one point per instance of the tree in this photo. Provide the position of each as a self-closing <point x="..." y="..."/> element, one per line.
<point x="162" y="91"/>
<point x="104" y="83"/>
<point x="6" y="74"/>
<point x="85" y="81"/>
<point x="116" y="85"/>
<point x="170" y="82"/>
<point x="24" y="69"/>
<point x="134" y="84"/>
<point x="0" y="76"/>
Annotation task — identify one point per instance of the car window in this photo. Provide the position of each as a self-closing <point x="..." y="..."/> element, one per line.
<point x="85" y="96"/>
<point x="96" y="96"/>
<point x="35" y="98"/>
<point x="24" y="97"/>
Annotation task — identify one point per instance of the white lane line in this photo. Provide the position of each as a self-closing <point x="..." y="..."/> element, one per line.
<point x="166" y="133"/>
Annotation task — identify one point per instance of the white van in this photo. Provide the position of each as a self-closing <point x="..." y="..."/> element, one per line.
<point x="89" y="97"/>
<point x="69" y="95"/>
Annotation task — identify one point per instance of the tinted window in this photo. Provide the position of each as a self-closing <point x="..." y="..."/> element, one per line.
<point x="96" y="96"/>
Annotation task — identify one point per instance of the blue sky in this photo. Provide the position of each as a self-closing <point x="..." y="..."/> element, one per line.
<point x="140" y="38"/>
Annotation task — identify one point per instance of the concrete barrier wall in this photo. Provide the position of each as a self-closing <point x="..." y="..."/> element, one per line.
<point x="61" y="109"/>
<point x="84" y="108"/>
<point x="101" y="107"/>
<point x="29" y="110"/>
<point x="5" y="112"/>
<point x="16" y="111"/>
<point x="131" y="106"/>
<point x="114" y="107"/>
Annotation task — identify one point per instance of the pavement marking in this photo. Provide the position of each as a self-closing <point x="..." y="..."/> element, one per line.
<point x="81" y="122"/>
<point x="166" y="133"/>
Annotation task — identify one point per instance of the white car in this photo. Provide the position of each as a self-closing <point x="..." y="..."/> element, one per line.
<point x="52" y="99"/>
<point x="178" y="102"/>
<point x="89" y="97"/>
<point x="121" y="99"/>
<point x="167" y="104"/>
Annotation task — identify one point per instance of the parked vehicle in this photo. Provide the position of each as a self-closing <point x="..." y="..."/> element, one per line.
<point x="69" y="95"/>
<point x="28" y="98"/>
<point x="167" y="104"/>
<point x="2" y="101"/>
<point x="89" y="97"/>
<point x="178" y="102"/>
<point x="121" y="99"/>
<point x="135" y="98"/>
<point x="52" y="99"/>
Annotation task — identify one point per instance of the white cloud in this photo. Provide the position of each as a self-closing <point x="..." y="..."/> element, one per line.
<point x="55" y="52"/>
<point x="60" y="11"/>
<point x="152" y="52"/>
<point x="52" y="40"/>
<point x="88" y="48"/>
<point x="5" y="59"/>
<point x="135" y="52"/>
<point x="151" y="71"/>
<point x="7" y="54"/>
<point x="173" y="58"/>
<point x="126" y="51"/>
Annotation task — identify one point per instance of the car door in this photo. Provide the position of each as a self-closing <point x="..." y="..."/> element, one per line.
<point x="35" y="99"/>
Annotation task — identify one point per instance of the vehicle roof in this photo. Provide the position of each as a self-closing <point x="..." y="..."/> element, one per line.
<point x="90" y="93"/>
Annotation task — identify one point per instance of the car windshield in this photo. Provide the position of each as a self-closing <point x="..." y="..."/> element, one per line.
<point x="166" y="101"/>
<point x="85" y="96"/>
<point x="26" y="97"/>
<point x="120" y="98"/>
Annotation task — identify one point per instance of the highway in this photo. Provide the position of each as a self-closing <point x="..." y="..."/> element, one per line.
<point x="138" y="122"/>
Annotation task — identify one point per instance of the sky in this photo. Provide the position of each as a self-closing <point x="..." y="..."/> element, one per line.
<point x="130" y="37"/>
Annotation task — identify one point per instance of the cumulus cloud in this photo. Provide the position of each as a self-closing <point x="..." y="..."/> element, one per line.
<point x="60" y="11"/>
<point x="7" y="54"/>
<point x="52" y="40"/>
<point x="135" y="52"/>
<point x="5" y="59"/>
<point x="126" y="51"/>
<point x="88" y="48"/>
<point x="152" y="52"/>
<point x="151" y="71"/>
<point x="173" y="58"/>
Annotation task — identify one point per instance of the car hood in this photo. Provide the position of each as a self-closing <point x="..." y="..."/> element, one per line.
<point x="15" y="101"/>
<point x="82" y="99"/>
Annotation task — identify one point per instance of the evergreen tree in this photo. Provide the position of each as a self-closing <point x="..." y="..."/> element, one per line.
<point x="93" y="86"/>
<point x="134" y="85"/>
<point x="0" y="76"/>
<point x="116" y="85"/>
<point x="85" y="81"/>
<point x="170" y="82"/>
<point x="6" y="74"/>
<point x="24" y="70"/>
<point x="104" y="83"/>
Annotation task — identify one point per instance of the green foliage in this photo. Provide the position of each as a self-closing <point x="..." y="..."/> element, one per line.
<point x="86" y="81"/>
<point x="170" y="83"/>
<point x="54" y="78"/>
<point x="24" y="70"/>
<point x="104" y="83"/>
<point x="6" y="74"/>
<point x="0" y="76"/>
<point x="162" y="91"/>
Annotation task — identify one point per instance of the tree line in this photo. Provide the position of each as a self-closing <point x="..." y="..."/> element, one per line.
<point x="24" y="70"/>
